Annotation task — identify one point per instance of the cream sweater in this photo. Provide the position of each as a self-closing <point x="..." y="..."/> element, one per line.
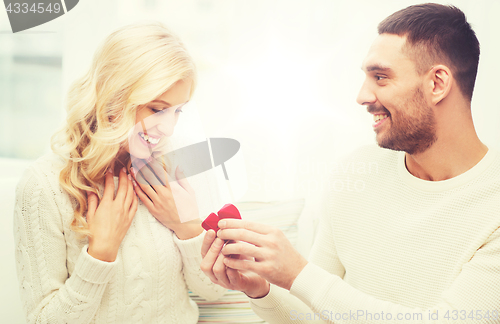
<point x="393" y="246"/>
<point x="61" y="283"/>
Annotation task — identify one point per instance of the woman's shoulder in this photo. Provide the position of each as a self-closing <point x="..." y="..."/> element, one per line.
<point x="41" y="178"/>
<point x="44" y="169"/>
<point x="50" y="162"/>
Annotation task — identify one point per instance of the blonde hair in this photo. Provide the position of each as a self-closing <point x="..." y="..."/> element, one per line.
<point x="133" y="66"/>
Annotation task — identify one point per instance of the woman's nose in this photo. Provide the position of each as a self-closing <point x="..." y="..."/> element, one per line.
<point x="166" y="122"/>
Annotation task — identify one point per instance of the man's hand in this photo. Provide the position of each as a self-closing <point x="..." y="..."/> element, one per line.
<point x="212" y="265"/>
<point x="267" y="251"/>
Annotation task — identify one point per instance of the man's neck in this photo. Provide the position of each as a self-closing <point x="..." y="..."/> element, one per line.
<point x="447" y="157"/>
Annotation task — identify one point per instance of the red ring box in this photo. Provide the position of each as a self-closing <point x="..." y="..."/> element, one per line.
<point x="227" y="211"/>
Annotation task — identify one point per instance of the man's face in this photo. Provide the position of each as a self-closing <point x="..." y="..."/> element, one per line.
<point x="393" y="94"/>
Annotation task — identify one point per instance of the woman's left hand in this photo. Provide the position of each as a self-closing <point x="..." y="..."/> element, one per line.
<point x="173" y="203"/>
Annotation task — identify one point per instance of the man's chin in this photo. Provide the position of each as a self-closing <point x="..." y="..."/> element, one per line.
<point x="379" y="138"/>
<point x="383" y="142"/>
<point x="394" y="146"/>
<point x="386" y="141"/>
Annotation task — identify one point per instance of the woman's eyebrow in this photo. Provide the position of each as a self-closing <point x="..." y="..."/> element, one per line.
<point x="164" y="102"/>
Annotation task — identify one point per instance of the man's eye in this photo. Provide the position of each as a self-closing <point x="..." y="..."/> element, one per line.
<point x="380" y="77"/>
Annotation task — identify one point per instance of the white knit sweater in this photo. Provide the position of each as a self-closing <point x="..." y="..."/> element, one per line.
<point x="61" y="283"/>
<point x="393" y="246"/>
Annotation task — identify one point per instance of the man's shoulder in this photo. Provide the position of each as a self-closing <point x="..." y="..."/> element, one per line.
<point x="492" y="172"/>
<point x="495" y="153"/>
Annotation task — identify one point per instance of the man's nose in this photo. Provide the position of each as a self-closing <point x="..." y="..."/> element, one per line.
<point x="366" y="96"/>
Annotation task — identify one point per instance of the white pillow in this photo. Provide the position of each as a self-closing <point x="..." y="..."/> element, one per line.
<point x="234" y="306"/>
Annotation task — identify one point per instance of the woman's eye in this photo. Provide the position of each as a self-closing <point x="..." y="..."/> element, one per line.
<point x="163" y="110"/>
<point x="156" y="110"/>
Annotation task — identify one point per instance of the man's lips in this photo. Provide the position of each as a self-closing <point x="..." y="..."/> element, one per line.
<point x="379" y="118"/>
<point x="380" y="114"/>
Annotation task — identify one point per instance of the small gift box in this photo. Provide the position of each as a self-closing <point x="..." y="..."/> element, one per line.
<point x="228" y="211"/>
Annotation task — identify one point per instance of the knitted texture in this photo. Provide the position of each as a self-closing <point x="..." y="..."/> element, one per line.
<point x="394" y="248"/>
<point x="60" y="282"/>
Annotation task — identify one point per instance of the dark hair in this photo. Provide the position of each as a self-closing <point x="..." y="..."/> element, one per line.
<point x="437" y="34"/>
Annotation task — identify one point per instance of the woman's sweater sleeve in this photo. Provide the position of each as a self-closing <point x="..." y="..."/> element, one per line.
<point x="208" y="195"/>
<point x="195" y="279"/>
<point x="49" y="294"/>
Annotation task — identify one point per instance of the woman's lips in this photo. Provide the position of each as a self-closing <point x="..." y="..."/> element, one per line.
<point x="146" y="143"/>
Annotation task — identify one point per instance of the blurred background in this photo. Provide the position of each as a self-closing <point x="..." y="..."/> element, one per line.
<point x="279" y="76"/>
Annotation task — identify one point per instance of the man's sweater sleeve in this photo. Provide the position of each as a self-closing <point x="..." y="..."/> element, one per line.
<point x="474" y="296"/>
<point x="196" y="280"/>
<point x="48" y="293"/>
<point x="279" y="305"/>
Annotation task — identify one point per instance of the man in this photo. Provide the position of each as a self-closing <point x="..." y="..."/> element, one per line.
<point x="421" y="242"/>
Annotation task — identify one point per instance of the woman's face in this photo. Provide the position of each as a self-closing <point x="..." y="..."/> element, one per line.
<point x="156" y="120"/>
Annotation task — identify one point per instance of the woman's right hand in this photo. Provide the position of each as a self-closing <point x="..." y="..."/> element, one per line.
<point x="110" y="219"/>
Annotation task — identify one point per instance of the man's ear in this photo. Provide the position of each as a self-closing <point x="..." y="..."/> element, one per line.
<point x="440" y="81"/>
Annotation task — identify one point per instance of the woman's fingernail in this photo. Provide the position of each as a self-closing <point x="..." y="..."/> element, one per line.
<point x="133" y="171"/>
<point x="124" y="170"/>
<point x="135" y="183"/>
<point x="129" y="176"/>
<point x="110" y="170"/>
<point x="222" y="223"/>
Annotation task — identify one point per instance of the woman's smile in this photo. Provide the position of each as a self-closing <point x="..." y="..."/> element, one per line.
<point x="149" y="140"/>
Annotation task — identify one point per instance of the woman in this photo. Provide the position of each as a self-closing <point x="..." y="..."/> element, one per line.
<point x="93" y="248"/>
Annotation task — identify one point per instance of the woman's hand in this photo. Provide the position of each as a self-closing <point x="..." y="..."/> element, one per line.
<point x="110" y="219"/>
<point x="253" y="285"/>
<point x="172" y="203"/>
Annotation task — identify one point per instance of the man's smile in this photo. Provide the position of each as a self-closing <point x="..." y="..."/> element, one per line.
<point x="379" y="119"/>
